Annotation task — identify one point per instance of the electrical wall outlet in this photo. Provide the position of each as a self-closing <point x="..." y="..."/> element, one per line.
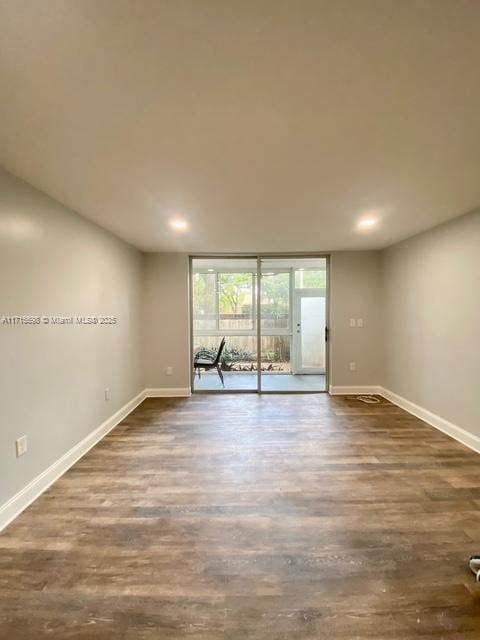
<point x="169" y="371"/>
<point x="21" y="446"/>
<point x="353" y="322"/>
<point x="107" y="394"/>
<point x="353" y="366"/>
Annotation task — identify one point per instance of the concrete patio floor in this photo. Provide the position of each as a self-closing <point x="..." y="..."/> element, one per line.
<point x="236" y="381"/>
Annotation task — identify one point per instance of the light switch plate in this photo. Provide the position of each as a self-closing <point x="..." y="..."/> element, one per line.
<point x="21" y="446"/>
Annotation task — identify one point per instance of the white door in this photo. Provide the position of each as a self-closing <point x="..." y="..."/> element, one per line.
<point x="309" y="324"/>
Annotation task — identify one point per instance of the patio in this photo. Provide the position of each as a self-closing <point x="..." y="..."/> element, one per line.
<point x="241" y="381"/>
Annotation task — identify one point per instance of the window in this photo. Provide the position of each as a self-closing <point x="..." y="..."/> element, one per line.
<point x="235" y="302"/>
<point x="310" y="279"/>
<point x="275" y="295"/>
<point x="223" y="302"/>
<point x="204" y="301"/>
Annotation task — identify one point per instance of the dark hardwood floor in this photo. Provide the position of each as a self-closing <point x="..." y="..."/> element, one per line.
<point x="246" y="517"/>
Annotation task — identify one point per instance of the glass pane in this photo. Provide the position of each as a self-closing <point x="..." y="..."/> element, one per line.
<point x="275" y="301"/>
<point x="293" y="324"/>
<point x="276" y="354"/>
<point x="313" y="333"/>
<point x="223" y="293"/>
<point x="238" y="364"/>
<point x="204" y="306"/>
<point x="235" y="294"/>
<point x="310" y="279"/>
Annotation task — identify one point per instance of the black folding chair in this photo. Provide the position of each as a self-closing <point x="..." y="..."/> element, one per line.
<point x="204" y="361"/>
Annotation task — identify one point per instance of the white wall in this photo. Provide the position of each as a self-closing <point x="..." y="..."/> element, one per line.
<point x="355" y="293"/>
<point x="166" y="332"/>
<point x="52" y="378"/>
<point x="431" y="300"/>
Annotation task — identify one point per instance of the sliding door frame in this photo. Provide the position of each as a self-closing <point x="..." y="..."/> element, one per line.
<point x="219" y="256"/>
<point x="259" y="257"/>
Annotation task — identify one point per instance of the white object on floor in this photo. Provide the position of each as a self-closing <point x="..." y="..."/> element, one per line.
<point x="475" y="566"/>
<point x="368" y="399"/>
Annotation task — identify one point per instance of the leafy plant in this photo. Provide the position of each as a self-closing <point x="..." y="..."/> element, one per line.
<point x="230" y="354"/>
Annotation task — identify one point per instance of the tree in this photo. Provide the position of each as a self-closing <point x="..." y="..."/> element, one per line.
<point x="275" y="295"/>
<point x="235" y="290"/>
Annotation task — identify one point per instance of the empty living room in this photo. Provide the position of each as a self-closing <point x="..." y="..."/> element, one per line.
<point x="239" y="319"/>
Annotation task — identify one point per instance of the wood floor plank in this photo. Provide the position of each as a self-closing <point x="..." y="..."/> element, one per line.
<point x="245" y="517"/>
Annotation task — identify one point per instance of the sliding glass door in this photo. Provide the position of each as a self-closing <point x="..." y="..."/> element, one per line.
<point x="224" y="316"/>
<point x="293" y="312"/>
<point x="259" y="324"/>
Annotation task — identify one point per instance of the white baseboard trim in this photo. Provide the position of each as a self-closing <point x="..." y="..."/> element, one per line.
<point x="454" y="431"/>
<point x="179" y="392"/>
<point x="335" y="390"/>
<point x="20" y="501"/>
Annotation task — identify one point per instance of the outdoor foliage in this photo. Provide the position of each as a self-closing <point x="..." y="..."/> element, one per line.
<point x="235" y="293"/>
<point x="275" y="351"/>
<point x="230" y="354"/>
<point x="224" y="302"/>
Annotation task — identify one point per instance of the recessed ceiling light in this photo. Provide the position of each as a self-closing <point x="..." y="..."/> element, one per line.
<point x="269" y="273"/>
<point x="300" y="269"/>
<point x="210" y="270"/>
<point x="367" y="223"/>
<point x="178" y="224"/>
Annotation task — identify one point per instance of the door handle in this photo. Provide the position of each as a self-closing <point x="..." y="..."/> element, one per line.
<point x="326" y="334"/>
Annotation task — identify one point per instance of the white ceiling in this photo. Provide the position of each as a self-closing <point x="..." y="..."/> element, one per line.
<point x="270" y="125"/>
